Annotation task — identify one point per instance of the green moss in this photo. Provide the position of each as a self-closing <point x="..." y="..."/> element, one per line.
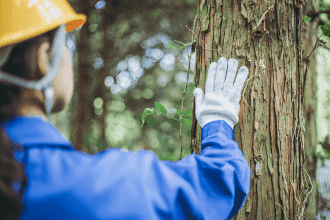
<point x="204" y="17"/>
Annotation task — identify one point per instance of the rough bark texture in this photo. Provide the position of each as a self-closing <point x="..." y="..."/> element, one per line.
<point x="309" y="106"/>
<point x="270" y="130"/>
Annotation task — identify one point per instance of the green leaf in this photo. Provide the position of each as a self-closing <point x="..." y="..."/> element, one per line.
<point x="187" y="122"/>
<point x="151" y="122"/>
<point x="178" y="112"/>
<point x="173" y="45"/>
<point x="145" y="113"/>
<point x="326" y="30"/>
<point x="161" y="108"/>
<point x="307" y="18"/>
<point x="192" y="85"/>
<point x="179" y="42"/>
<point x="170" y="47"/>
<point x="326" y="153"/>
<point x="184" y="43"/>
<point x="187" y="113"/>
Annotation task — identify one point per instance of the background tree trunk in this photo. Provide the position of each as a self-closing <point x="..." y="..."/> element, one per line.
<point x="82" y="114"/>
<point x="309" y="106"/>
<point x="90" y="82"/>
<point x="270" y="130"/>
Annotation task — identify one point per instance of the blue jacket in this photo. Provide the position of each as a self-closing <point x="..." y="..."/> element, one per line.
<point x="67" y="184"/>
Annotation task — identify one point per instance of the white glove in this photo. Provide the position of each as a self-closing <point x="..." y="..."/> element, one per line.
<point x="221" y="97"/>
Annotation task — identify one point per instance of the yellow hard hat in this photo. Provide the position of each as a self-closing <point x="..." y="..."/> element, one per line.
<point x="21" y="20"/>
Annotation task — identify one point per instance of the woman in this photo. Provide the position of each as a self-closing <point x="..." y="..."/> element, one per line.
<point x="43" y="177"/>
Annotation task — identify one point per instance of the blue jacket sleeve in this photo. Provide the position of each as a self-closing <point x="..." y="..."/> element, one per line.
<point x="67" y="184"/>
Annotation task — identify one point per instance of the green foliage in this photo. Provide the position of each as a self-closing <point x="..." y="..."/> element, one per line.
<point x="192" y="85"/>
<point x="191" y="2"/>
<point x="145" y="113"/>
<point x="97" y="142"/>
<point x="173" y="46"/>
<point x="96" y="40"/>
<point x="321" y="153"/>
<point x="323" y="5"/>
<point x="173" y="157"/>
<point x="187" y="121"/>
<point x="186" y="115"/>
<point x="155" y="14"/>
<point x="326" y="30"/>
<point x="119" y="30"/>
<point x="307" y="18"/>
<point x="161" y="108"/>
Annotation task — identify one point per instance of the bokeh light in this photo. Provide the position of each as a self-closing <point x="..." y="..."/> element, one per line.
<point x="133" y="63"/>
<point x="122" y="65"/>
<point x="109" y="81"/>
<point x="100" y="5"/>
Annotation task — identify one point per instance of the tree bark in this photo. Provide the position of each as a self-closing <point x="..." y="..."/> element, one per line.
<point x="270" y="129"/>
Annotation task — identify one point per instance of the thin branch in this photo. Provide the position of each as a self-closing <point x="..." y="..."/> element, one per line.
<point x="326" y="47"/>
<point x="314" y="14"/>
<point x="184" y="91"/>
<point x="314" y="47"/>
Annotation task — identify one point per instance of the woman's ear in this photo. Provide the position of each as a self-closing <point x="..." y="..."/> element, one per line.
<point x="44" y="57"/>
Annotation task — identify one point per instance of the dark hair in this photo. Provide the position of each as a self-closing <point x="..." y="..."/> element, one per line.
<point x="22" y="62"/>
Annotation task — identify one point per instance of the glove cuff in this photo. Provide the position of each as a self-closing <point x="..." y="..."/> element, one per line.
<point x="215" y="117"/>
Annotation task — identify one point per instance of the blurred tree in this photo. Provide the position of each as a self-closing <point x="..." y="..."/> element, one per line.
<point x="113" y="30"/>
<point x="82" y="110"/>
<point x="317" y="201"/>
<point x="309" y="105"/>
<point x="84" y="94"/>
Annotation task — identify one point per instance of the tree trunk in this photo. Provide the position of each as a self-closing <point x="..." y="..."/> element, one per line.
<point x="270" y="130"/>
<point x="309" y="106"/>
<point x="82" y="103"/>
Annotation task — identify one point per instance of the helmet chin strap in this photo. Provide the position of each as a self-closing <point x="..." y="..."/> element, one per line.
<point x="48" y="95"/>
<point x="56" y="57"/>
<point x="45" y="84"/>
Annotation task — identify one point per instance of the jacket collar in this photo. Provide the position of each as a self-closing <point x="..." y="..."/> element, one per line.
<point x="31" y="131"/>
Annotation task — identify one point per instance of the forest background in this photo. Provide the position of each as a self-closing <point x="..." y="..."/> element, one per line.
<point x="124" y="65"/>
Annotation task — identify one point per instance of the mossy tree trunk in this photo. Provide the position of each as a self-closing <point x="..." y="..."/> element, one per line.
<point x="270" y="129"/>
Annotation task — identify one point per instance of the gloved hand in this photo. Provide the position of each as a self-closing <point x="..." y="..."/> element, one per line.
<point x="221" y="101"/>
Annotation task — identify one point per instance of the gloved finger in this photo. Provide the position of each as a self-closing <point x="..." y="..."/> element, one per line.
<point x="199" y="98"/>
<point x="231" y="73"/>
<point x="242" y="74"/>
<point x="209" y="85"/>
<point x="220" y="76"/>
